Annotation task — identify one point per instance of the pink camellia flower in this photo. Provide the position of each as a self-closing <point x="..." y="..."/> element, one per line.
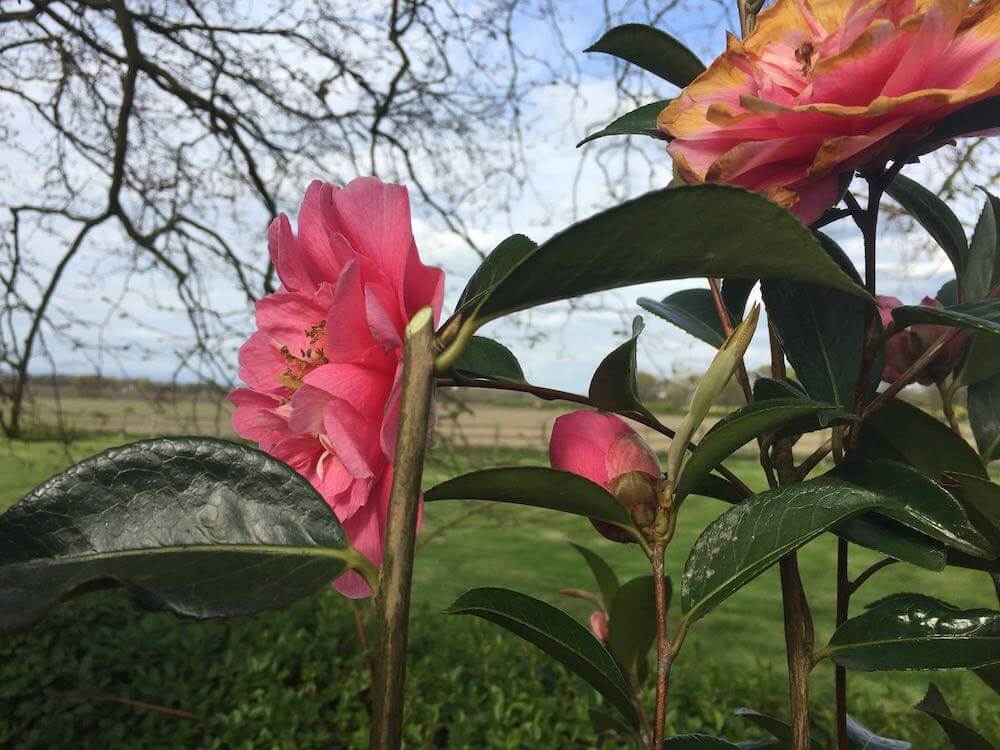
<point x="324" y="368"/>
<point x="824" y="87"/>
<point x="905" y="348"/>
<point x="605" y="450"/>
<point x="599" y="624"/>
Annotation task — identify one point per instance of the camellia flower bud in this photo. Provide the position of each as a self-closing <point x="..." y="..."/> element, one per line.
<point x="599" y="624"/>
<point x="907" y="346"/>
<point x="605" y="450"/>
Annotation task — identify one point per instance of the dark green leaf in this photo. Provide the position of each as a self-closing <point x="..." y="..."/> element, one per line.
<point x="913" y="631"/>
<point x="606" y="579"/>
<point x="681" y="232"/>
<point x="947" y="295"/>
<point x="983" y="257"/>
<point x="605" y="722"/>
<point x="859" y="738"/>
<point x="893" y="539"/>
<point x="933" y="214"/>
<point x="981" y="499"/>
<point x="632" y="624"/>
<point x="697" y="742"/>
<point x="765" y="389"/>
<point x="555" y="633"/>
<point x="486" y="358"/>
<point x="780" y="730"/>
<point x="498" y="264"/>
<point x="640" y="121"/>
<point x="691" y="310"/>
<point x="983" y="115"/>
<point x="735" y="431"/>
<point x="614" y="386"/>
<point x="652" y="50"/>
<point x="822" y="331"/>
<point x="984" y="416"/>
<point x="962" y="737"/>
<point x="750" y="537"/>
<point x="535" y="486"/>
<point x="991" y="676"/>
<point x="913" y="500"/>
<point x="902" y="432"/>
<point x="201" y="527"/>
<point x="982" y="358"/>
<point x="719" y="488"/>
<point x="735" y="293"/>
<point x="981" y="316"/>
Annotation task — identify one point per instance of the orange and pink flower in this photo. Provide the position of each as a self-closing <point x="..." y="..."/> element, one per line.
<point x="323" y="371"/>
<point x="824" y="87"/>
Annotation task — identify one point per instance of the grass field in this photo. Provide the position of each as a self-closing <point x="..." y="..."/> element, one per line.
<point x="527" y="550"/>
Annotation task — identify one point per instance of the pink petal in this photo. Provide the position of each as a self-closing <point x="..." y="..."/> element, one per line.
<point x="261" y="363"/>
<point x="349" y="337"/>
<point x="286" y="256"/>
<point x="580" y="442"/>
<point x="629" y="452"/>
<point x="351" y="436"/>
<point x="366" y="534"/>
<point x="422" y="286"/>
<point x="365" y="388"/>
<point x="390" y="422"/>
<point x="383" y="315"/>
<point x="375" y="218"/>
<point x="288" y="317"/>
<point x="307" y="405"/>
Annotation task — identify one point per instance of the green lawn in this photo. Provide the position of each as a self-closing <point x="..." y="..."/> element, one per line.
<point x="733" y="657"/>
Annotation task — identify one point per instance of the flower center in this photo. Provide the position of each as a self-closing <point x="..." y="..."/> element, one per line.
<point x="297" y="366"/>
<point x="804" y="54"/>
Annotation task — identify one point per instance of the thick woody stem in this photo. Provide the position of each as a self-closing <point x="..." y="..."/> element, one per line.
<point x="393" y="601"/>
<point x="663" y="649"/>
<point x="799" y="644"/>
<point x="843" y="608"/>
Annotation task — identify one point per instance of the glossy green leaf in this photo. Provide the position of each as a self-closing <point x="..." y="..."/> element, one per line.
<point x="780" y="730"/>
<point x="652" y="50"/>
<point x="991" y="676"/>
<point x="981" y="500"/>
<point x="641" y="121"/>
<point x="607" y="580"/>
<point x="691" y="310"/>
<point x="614" y="386"/>
<point x="984" y="417"/>
<point x="605" y="722"/>
<point x="738" y="429"/>
<point x="538" y="487"/>
<point x="893" y="539"/>
<point x="718" y="488"/>
<point x="822" y="332"/>
<point x="498" y="264"/>
<point x="860" y="738"/>
<point x="902" y="432"/>
<point x="555" y="633"/>
<point x="932" y="214"/>
<point x="979" y="316"/>
<point x="765" y="389"/>
<point x="201" y="527"/>
<point x="697" y="742"/>
<point x="962" y="737"/>
<point x="913" y="500"/>
<point x="983" y="256"/>
<point x="913" y="631"/>
<point x="486" y="358"/>
<point x="632" y="623"/>
<point x="982" y="358"/>
<point x="681" y="232"/>
<point x="947" y="295"/>
<point x="750" y="537"/>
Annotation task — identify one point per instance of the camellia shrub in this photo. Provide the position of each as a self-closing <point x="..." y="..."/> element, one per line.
<point x="807" y="121"/>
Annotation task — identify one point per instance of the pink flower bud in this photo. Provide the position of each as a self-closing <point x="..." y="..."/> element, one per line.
<point x="906" y="347"/>
<point x="605" y="450"/>
<point x="599" y="624"/>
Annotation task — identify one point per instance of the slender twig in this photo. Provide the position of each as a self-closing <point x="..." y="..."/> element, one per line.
<point x="72" y="695"/>
<point x="393" y="601"/>
<point x="909" y="375"/>
<point x="844" y="591"/>
<point x="663" y="647"/>
<point x="869" y="572"/>
<point x="814" y="458"/>
<point x="947" y="406"/>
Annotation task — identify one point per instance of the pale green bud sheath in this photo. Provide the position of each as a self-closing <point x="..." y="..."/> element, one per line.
<point x="711" y="386"/>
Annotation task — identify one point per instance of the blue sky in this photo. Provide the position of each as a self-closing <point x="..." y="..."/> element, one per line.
<point x="566" y="185"/>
